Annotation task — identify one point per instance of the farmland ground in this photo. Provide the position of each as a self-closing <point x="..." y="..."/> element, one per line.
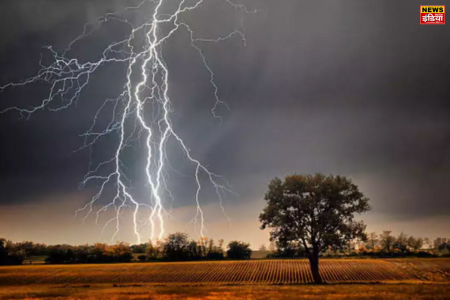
<point x="255" y="279"/>
<point x="260" y="292"/>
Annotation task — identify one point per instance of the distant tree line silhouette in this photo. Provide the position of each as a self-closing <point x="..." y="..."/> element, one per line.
<point x="176" y="247"/>
<point x="382" y="245"/>
<point x="385" y="244"/>
<point x="97" y="253"/>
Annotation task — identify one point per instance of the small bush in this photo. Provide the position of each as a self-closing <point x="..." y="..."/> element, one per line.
<point x="214" y="255"/>
<point x="142" y="258"/>
<point x="425" y="254"/>
<point x="239" y="250"/>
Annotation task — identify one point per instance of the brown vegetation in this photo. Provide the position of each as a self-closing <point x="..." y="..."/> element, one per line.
<point x="216" y="292"/>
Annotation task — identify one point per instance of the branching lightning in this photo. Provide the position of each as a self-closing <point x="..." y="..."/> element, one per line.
<point x="141" y="112"/>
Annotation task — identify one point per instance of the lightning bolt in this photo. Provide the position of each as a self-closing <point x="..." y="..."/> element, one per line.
<point x="146" y="83"/>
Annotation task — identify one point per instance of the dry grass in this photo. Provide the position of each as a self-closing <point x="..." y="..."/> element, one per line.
<point x="346" y="291"/>
<point x="427" y="269"/>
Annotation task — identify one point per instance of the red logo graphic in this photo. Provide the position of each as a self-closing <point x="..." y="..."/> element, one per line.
<point x="432" y="14"/>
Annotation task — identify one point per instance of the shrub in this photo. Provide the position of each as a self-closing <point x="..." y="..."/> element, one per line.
<point x="425" y="254"/>
<point x="142" y="258"/>
<point x="239" y="250"/>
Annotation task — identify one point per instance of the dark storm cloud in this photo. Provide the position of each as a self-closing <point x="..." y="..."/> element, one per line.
<point x="322" y="86"/>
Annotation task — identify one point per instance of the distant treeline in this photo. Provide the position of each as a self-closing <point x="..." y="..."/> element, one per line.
<point x="376" y="245"/>
<point x="176" y="247"/>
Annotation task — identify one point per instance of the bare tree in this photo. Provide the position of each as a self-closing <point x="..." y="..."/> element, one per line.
<point x="427" y="241"/>
<point x="415" y="243"/>
<point x="439" y="241"/>
<point x="372" y="240"/>
<point x="387" y="241"/>
<point x="401" y="242"/>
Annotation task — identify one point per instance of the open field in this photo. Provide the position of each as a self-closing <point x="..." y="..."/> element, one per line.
<point x="257" y="254"/>
<point x="252" y="279"/>
<point x="232" y="272"/>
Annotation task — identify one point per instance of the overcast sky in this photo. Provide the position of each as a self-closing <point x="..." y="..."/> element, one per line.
<point x="360" y="90"/>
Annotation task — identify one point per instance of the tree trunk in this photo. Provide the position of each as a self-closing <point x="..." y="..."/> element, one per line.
<point x="314" y="263"/>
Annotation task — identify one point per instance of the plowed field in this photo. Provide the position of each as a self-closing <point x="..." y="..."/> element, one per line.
<point x="226" y="272"/>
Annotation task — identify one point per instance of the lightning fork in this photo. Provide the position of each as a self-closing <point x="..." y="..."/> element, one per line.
<point x="146" y="71"/>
